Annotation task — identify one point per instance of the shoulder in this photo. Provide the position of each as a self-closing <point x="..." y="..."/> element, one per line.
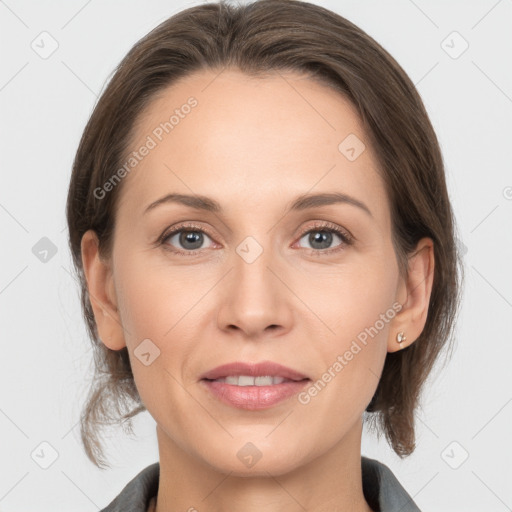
<point x="382" y="489"/>
<point x="137" y="493"/>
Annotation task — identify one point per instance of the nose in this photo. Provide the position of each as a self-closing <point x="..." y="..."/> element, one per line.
<point x="255" y="301"/>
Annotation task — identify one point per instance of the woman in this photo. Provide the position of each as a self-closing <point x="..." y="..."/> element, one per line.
<point x="259" y="219"/>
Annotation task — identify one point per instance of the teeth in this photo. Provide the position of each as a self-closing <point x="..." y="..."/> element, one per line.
<point x="246" y="380"/>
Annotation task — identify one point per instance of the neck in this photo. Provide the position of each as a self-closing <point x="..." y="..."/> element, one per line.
<point x="331" y="481"/>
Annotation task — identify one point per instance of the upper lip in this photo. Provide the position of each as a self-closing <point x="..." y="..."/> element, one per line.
<point x="254" y="370"/>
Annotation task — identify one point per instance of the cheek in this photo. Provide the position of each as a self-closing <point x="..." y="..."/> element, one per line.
<point x="153" y="308"/>
<point x="162" y="304"/>
<point x="357" y="306"/>
<point x="152" y="297"/>
<point x="354" y="297"/>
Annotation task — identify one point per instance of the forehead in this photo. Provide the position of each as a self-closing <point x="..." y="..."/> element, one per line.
<point x="250" y="140"/>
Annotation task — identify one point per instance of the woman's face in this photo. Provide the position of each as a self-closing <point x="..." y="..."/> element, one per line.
<point x="256" y="279"/>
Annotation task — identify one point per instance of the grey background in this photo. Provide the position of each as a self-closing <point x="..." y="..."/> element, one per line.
<point x="45" y="103"/>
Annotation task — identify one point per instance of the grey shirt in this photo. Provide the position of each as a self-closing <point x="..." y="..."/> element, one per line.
<point x="381" y="489"/>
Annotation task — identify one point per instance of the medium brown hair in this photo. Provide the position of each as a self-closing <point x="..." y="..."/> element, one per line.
<point x="258" y="38"/>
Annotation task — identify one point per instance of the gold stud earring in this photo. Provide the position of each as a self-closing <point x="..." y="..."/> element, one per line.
<point x="400" y="338"/>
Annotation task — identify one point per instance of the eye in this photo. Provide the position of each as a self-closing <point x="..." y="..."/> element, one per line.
<point x="322" y="236"/>
<point x="188" y="237"/>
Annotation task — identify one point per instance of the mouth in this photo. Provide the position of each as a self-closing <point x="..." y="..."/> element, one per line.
<point x="253" y="386"/>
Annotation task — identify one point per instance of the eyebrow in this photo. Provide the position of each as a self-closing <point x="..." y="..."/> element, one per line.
<point x="300" y="203"/>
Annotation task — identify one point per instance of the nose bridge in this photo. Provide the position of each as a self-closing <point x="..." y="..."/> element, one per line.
<point x="255" y="298"/>
<point x="252" y="277"/>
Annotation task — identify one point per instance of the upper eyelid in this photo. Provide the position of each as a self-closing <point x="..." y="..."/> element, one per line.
<point x="190" y="226"/>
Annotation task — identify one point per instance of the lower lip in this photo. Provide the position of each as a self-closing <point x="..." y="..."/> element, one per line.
<point x="254" y="397"/>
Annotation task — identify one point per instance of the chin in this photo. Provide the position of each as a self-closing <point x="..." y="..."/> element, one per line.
<point x="251" y="459"/>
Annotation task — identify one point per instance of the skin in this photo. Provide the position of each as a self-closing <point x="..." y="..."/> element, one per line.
<point x="254" y="145"/>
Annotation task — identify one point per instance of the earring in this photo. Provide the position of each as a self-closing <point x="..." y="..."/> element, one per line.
<point x="400" y="338"/>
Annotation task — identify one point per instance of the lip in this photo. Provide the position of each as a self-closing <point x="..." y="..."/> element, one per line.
<point x="254" y="370"/>
<point x="254" y="397"/>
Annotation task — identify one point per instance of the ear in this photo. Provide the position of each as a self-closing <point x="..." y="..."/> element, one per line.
<point x="414" y="295"/>
<point x="100" y="284"/>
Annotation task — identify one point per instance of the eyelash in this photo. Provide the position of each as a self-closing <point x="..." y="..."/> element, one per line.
<point x="347" y="238"/>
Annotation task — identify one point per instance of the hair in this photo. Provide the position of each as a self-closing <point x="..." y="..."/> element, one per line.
<point x="260" y="38"/>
